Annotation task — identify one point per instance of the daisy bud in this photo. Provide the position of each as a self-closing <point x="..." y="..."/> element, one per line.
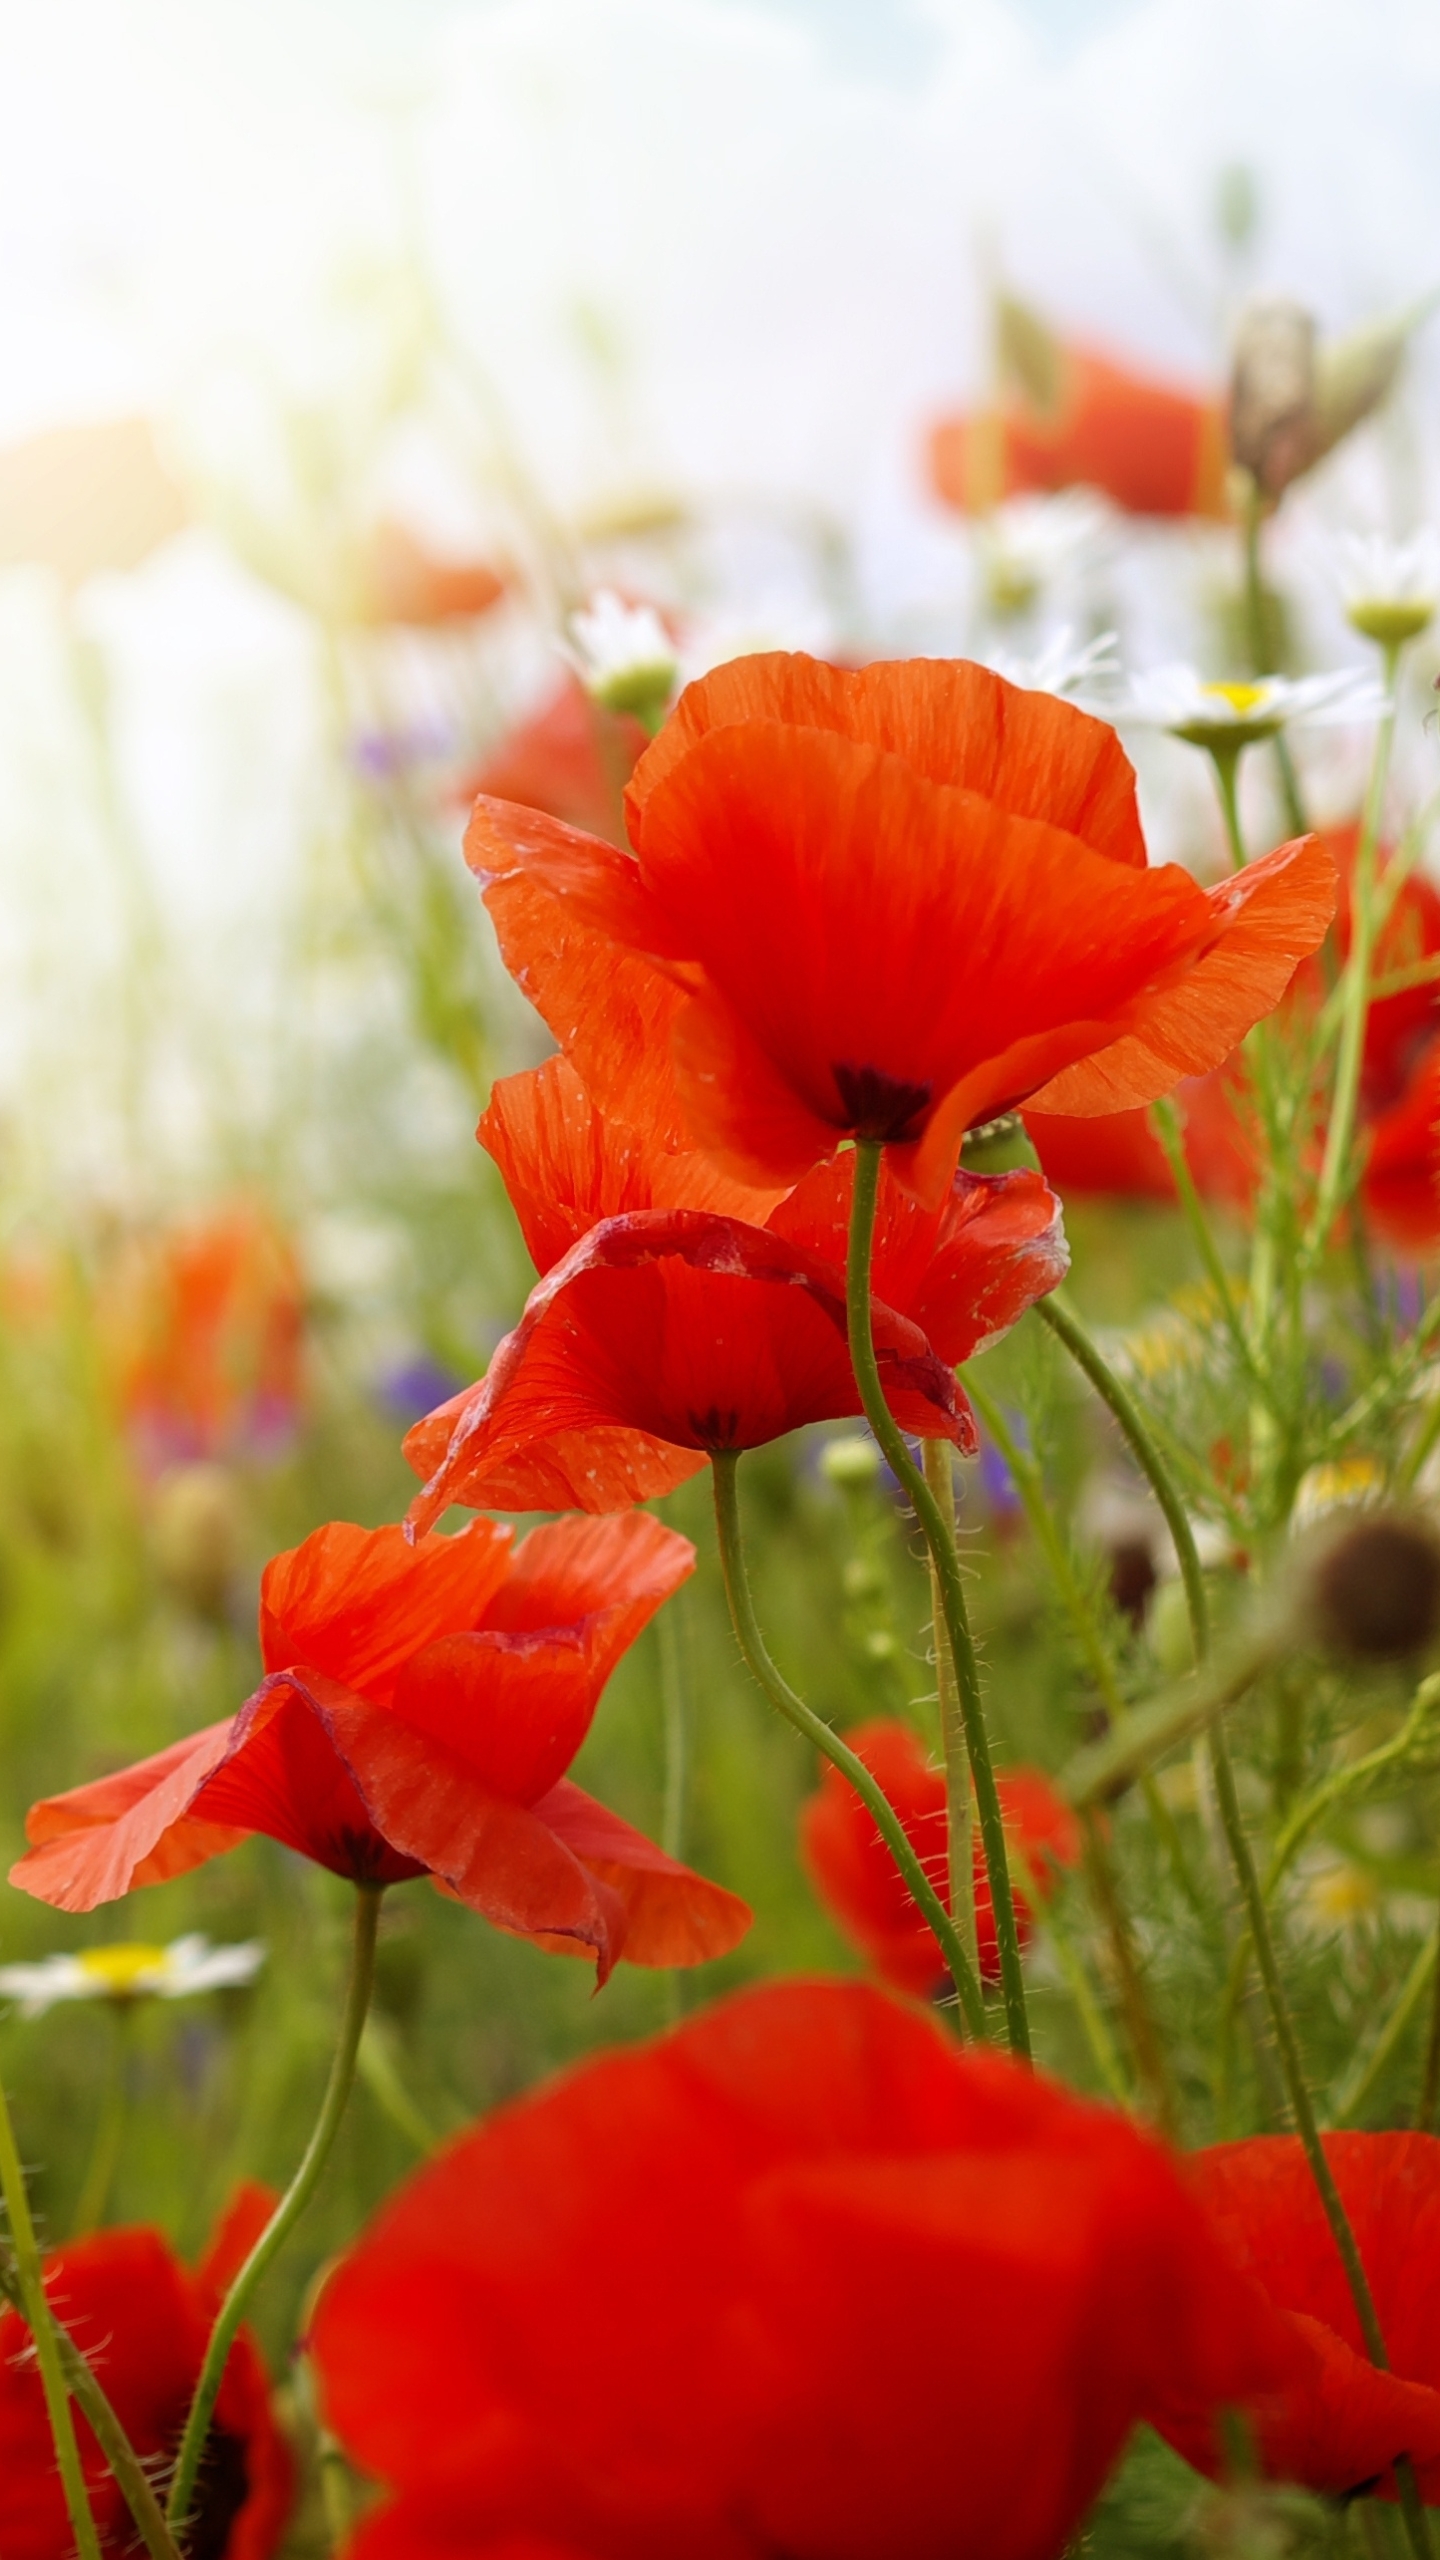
<point x="851" y="1463"/>
<point x="1374" y="1590"/>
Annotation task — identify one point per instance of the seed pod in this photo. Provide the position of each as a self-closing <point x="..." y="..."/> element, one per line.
<point x="1375" y="1588"/>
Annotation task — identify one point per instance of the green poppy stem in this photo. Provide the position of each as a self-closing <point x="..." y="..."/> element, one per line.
<point x="946" y="1560"/>
<point x="828" y="1742"/>
<point x="131" y="2477"/>
<point x="30" y="2284"/>
<point x="288" y="2211"/>
<point x="959" y="1799"/>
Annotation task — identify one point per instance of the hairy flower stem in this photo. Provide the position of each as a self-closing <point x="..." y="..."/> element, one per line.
<point x="1292" y="2066"/>
<point x="827" y="1741"/>
<point x="959" y="1821"/>
<point x="288" y="2211"/>
<point x="945" y="1557"/>
<point x="1355" y="1000"/>
<point x="1430" y="2076"/>
<point x="30" y="2284"/>
<point x="130" y="2474"/>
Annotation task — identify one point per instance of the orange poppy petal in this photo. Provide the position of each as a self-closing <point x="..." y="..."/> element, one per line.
<point x="134" y="1827"/>
<point x="565" y="1167"/>
<point x="499" y="1858"/>
<point x="953" y="721"/>
<point x="673" y="1916"/>
<point x="1269" y="917"/>
<point x="698" y="1331"/>
<point x="357" y="1603"/>
<point x="609" y="1576"/>
<point x="513" y="1710"/>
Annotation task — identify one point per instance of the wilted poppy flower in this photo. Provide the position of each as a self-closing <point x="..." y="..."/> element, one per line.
<point x="1081" y="419"/>
<point x="571" y="758"/>
<point x="206" y="1326"/>
<point x="659" y="1333"/>
<point x="144" y="2319"/>
<point x="1339" y="2423"/>
<point x="888" y="904"/>
<point x="846" y="2291"/>
<point x="421" y="1705"/>
<point x="860" y="1884"/>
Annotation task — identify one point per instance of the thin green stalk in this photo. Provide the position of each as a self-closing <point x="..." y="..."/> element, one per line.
<point x="1430" y="2076"/>
<point x="1148" y="1731"/>
<point x="30" y="2282"/>
<point x="110" y="2126"/>
<point x="1226" y="761"/>
<point x="939" y="1467"/>
<point x="1030" y="1486"/>
<point x="288" y="2211"/>
<point x="1350" y="2093"/>
<point x="675" y="1703"/>
<point x="1085" y="1352"/>
<point x="1356" y="1000"/>
<point x="1261" y="652"/>
<point x="131" y="2477"/>
<point x="1168" y="1130"/>
<point x="868" y="1154"/>
<point x="828" y="1742"/>
<point x="1145" y="2040"/>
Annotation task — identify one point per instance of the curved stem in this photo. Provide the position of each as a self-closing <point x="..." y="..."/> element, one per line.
<point x="110" y="2127"/>
<point x="1356" y="997"/>
<point x="131" y="2477"/>
<point x="288" y="2211"/>
<point x="30" y="2282"/>
<point x="1062" y="1320"/>
<point x="946" y="1560"/>
<point x="959" y="1801"/>
<point x="827" y="1741"/>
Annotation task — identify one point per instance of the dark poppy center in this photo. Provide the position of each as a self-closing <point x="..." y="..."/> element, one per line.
<point x="221" y="2489"/>
<point x="714" y="1429"/>
<point x="880" y="1106"/>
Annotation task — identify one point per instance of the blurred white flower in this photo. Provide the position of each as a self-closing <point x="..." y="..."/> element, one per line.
<point x="1390" y="589"/>
<point x="624" y="656"/>
<point x="1025" y="545"/>
<point x="1235" y="715"/>
<point x="713" y="639"/>
<point x="125" y="1973"/>
<point x="1060" y="667"/>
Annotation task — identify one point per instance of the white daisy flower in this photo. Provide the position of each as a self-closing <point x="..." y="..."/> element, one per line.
<point x="624" y="656"/>
<point x="1060" y="667"/>
<point x="1391" y="590"/>
<point x="1027" y="543"/>
<point x="1236" y="715"/>
<point x="125" y="1973"/>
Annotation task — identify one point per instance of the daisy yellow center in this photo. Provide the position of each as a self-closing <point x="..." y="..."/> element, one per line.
<point x="119" y="1970"/>
<point x="1242" y="698"/>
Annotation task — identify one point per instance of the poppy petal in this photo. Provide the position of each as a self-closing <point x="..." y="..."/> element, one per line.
<point x="1268" y="916"/>
<point x="609" y="1576"/>
<point x="135" y="1827"/>
<point x="697" y="1330"/>
<point x="954" y="721"/>
<point x="673" y="1916"/>
<point x="357" y="1603"/>
<point x="565" y="1168"/>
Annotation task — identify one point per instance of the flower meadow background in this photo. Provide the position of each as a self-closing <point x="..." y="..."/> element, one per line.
<point x="348" y="352"/>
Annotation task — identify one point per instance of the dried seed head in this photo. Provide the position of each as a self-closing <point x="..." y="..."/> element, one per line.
<point x="1375" y="1589"/>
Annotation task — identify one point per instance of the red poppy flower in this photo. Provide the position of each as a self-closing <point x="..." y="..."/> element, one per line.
<point x="1154" y="448"/>
<point x="1119" y="1155"/>
<point x="859" y="1883"/>
<point x="1339" y="2423"/>
<point x="403" y="581"/>
<point x="421" y="1707"/>
<point x="663" y="1332"/>
<point x="844" y="2289"/>
<point x="144" y="2319"/>
<point x="888" y="903"/>
<point x="571" y="759"/>
<point x="206" y="1328"/>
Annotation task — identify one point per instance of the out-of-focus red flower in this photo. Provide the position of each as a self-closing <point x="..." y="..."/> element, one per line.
<point x="421" y="1707"/>
<point x="662" y="1332"/>
<point x="859" y="1882"/>
<point x="403" y="581"/>
<point x="1399" y="1093"/>
<point x="884" y="903"/>
<point x="1339" y="2423"/>
<point x="144" y="2320"/>
<point x="1071" y="415"/>
<point x="845" y="2291"/>
<point x="571" y="759"/>
<point x="206" y="1327"/>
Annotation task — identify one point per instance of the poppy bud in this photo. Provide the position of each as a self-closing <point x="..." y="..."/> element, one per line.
<point x="851" y="1463"/>
<point x="1375" y="1589"/>
<point x="1272" y="394"/>
<point x="198" y="1534"/>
